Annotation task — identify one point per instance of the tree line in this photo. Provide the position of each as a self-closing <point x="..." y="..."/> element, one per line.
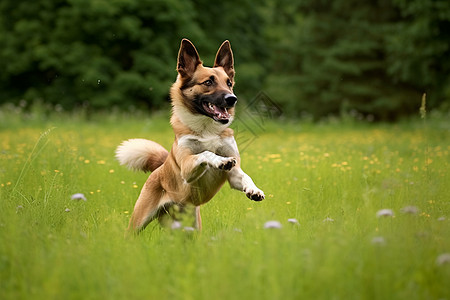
<point x="312" y="57"/>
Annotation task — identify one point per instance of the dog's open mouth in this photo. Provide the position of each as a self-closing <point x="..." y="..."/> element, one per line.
<point x="218" y="113"/>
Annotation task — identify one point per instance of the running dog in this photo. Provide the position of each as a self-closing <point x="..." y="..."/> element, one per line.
<point x="204" y="154"/>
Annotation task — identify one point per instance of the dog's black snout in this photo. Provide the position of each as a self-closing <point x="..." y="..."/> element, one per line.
<point x="230" y="99"/>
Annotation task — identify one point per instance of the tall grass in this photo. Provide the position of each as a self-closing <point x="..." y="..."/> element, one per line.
<point x="332" y="178"/>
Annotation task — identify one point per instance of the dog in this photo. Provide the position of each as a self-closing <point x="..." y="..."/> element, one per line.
<point x="204" y="154"/>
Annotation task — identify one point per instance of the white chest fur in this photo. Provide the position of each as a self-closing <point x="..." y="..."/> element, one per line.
<point x="213" y="143"/>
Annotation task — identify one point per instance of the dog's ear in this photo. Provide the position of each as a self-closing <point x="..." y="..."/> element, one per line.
<point x="188" y="58"/>
<point x="224" y="59"/>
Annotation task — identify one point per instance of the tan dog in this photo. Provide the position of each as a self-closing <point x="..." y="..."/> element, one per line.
<point x="204" y="154"/>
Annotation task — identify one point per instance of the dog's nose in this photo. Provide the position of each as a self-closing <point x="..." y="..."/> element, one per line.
<point x="230" y="99"/>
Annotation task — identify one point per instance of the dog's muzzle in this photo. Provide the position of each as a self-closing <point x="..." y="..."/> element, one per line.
<point x="216" y="106"/>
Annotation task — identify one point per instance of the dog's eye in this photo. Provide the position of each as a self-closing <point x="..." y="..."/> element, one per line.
<point x="208" y="82"/>
<point x="229" y="83"/>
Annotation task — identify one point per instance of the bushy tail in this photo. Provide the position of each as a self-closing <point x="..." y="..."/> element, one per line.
<point x="141" y="155"/>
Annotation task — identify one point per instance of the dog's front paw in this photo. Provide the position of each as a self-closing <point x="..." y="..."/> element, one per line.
<point x="227" y="164"/>
<point x="255" y="194"/>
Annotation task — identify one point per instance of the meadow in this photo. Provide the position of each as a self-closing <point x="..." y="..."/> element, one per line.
<point x="371" y="201"/>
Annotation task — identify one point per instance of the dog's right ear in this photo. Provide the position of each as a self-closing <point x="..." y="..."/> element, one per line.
<point x="188" y="59"/>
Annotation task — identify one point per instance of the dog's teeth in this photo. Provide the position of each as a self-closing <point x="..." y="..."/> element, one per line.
<point x="210" y="106"/>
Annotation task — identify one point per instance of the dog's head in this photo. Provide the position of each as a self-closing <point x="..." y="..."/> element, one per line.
<point x="203" y="91"/>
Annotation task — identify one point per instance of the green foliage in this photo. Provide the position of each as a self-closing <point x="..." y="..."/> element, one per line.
<point x="374" y="57"/>
<point x="98" y="53"/>
<point x="108" y="53"/>
<point x="314" y="58"/>
<point x="419" y="47"/>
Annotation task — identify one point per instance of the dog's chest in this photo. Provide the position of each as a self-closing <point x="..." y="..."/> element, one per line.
<point x="216" y="144"/>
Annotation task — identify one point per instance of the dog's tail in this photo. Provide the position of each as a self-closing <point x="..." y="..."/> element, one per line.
<point x="141" y="155"/>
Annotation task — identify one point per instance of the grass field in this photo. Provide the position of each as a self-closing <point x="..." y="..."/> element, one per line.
<point x="333" y="178"/>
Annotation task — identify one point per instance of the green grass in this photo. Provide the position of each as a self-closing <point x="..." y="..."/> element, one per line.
<point x="55" y="248"/>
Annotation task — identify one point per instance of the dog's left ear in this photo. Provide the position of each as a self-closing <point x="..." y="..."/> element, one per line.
<point x="224" y="59"/>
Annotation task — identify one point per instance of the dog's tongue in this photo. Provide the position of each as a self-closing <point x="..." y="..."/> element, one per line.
<point x="219" y="113"/>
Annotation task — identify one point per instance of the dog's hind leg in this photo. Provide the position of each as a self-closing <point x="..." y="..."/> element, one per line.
<point x="144" y="212"/>
<point x="198" y="218"/>
<point x="151" y="199"/>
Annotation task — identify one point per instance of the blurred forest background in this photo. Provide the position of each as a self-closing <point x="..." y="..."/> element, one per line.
<point x="312" y="57"/>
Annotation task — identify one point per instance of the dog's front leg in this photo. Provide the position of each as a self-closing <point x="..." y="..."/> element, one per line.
<point x="194" y="166"/>
<point x="242" y="182"/>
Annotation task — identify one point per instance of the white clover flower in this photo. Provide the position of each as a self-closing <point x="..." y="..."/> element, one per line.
<point x="272" y="224"/>
<point x="293" y="221"/>
<point x="385" y="213"/>
<point x="19" y="208"/>
<point x="175" y="225"/>
<point x="443" y="259"/>
<point x="412" y="210"/>
<point x="378" y="240"/>
<point x="78" y="197"/>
